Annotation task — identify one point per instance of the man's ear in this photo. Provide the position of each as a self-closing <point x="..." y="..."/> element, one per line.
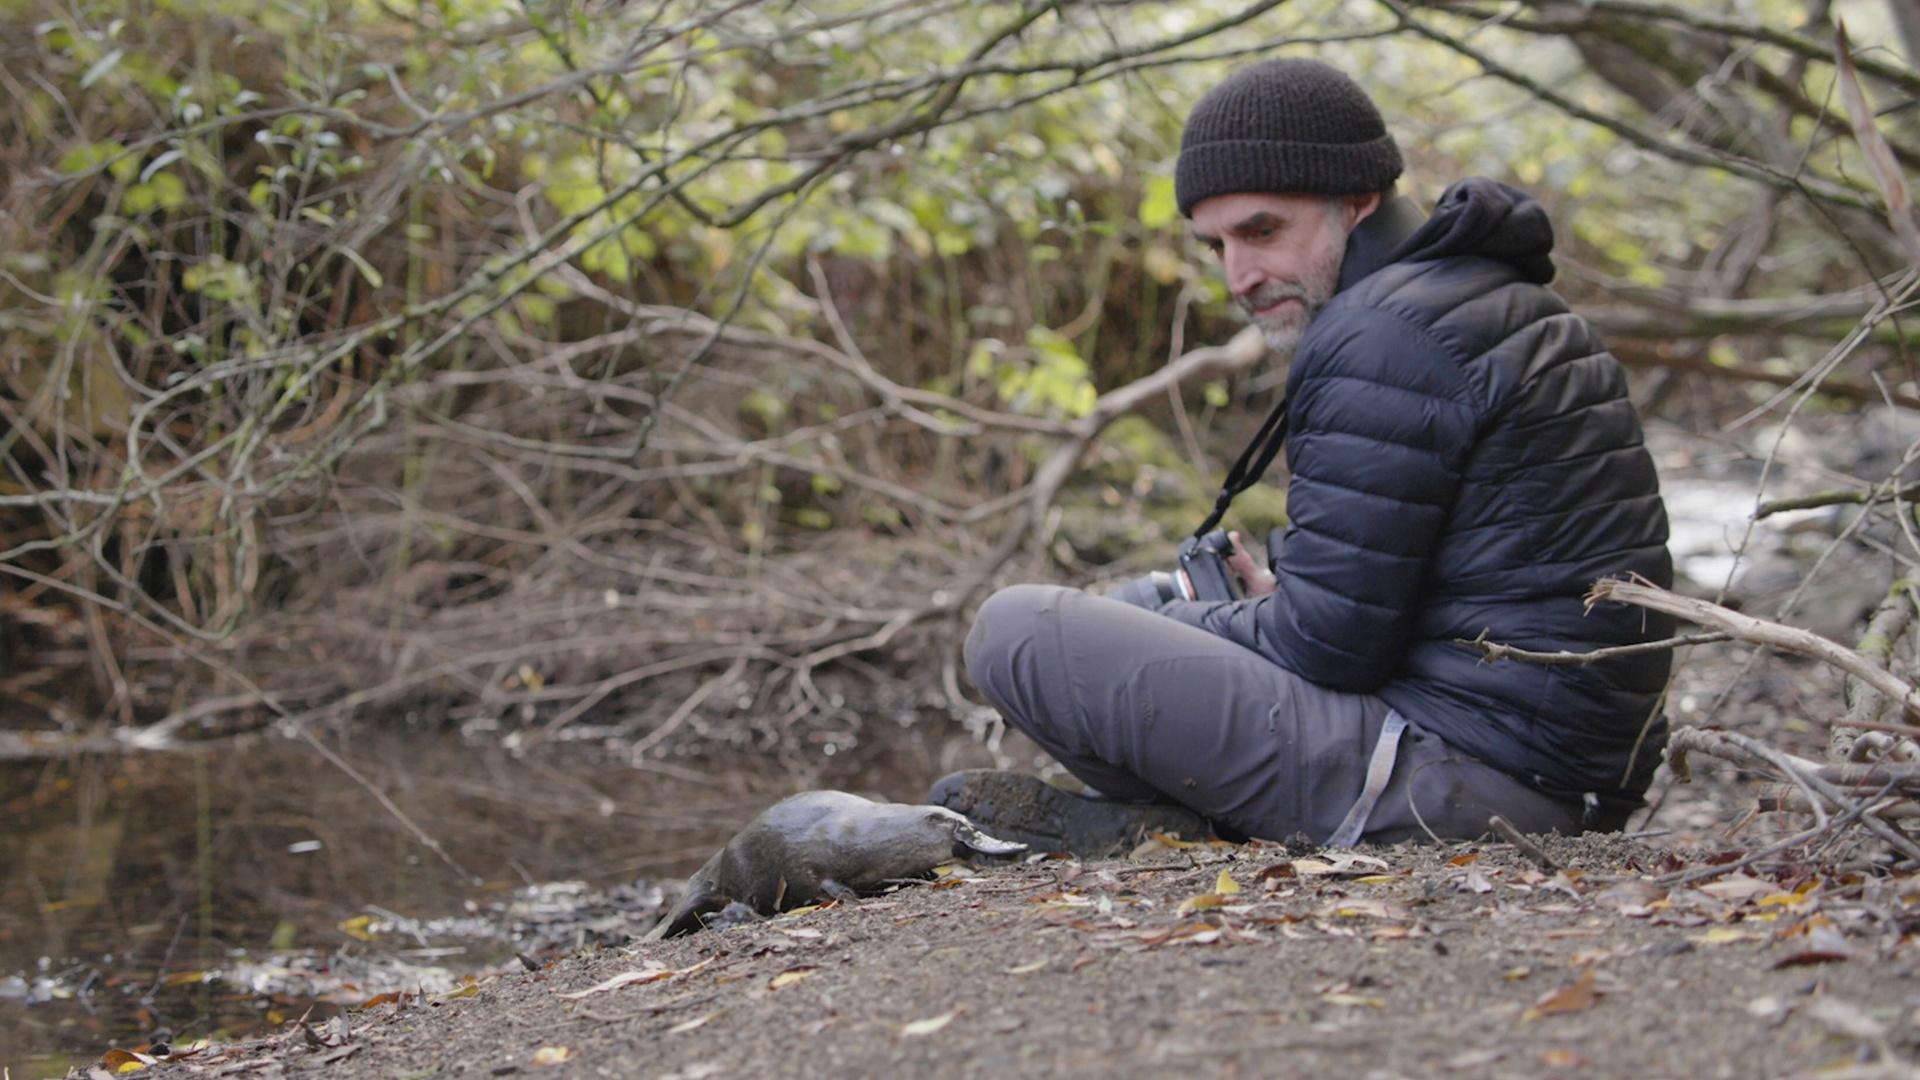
<point x="1356" y="208"/>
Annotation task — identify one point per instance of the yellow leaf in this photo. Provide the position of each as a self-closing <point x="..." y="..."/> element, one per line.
<point x="551" y="1055"/>
<point x="1201" y="903"/>
<point x="1720" y="935"/>
<point x="1782" y="899"/>
<point x="791" y="976"/>
<point x="1515" y="974"/>
<point x="1028" y="969"/>
<point x="1224" y="885"/>
<point x="803" y="910"/>
<point x="356" y="928"/>
<point x="1375" y="879"/>
<point x="1354" y="999"/>
<point x="930" y="1025"/>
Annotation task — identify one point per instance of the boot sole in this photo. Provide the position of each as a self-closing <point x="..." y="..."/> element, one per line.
<point x="1027" y="809"/>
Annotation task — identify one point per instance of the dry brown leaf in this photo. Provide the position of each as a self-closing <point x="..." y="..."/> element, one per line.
<point x="1577" y="997"/>
<point x="1885" y="167"/>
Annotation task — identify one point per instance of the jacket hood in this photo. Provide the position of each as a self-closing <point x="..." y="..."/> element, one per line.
<point x="1485" y="218"/>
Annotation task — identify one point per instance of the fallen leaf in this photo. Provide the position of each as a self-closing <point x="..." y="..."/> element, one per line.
<point x="791" y="976"/>
<point x="1738" y="888"/>
<point x="1462" y="860"/>
<point x="1577" y="997"/>
<point x="1028" y="969"/>
<point x="1844" y="1017"/>
<point x="1354" y="999"/>
<point x="1376" y="879"/>
<point x="1808" y="957"/>
<point x="653" y="973"/>
<point x="794" y="912"/>
<point x="698" y="1021"/>
<point x="930" y="1025"/>
<point x="1202" y="902"/>
<point x="1634" y="899"/>
<point x="1361" y="909"/>
<point x="1561" y="1058"/>
<point x="1224" y="885"/>
<point x="1515" y="974"/>
<point x="551" y="1055"/>
<point x="1477" y="881"/>
<point x="383" y="999"/>
<point x="125" y="1061"/>
<point x="1722" y="935"/>
<point x="356" y="928"/>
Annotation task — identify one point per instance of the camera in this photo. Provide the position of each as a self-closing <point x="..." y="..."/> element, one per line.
<point x="1203" y="575"/>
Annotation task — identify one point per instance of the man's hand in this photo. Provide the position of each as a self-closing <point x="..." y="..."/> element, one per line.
<point x="1258" y="580"/>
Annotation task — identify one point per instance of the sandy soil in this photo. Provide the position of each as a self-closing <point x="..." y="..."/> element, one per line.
<point x="1405" y="961"/>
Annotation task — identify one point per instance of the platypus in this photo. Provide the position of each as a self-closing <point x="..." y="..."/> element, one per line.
<point x="824" y="844"/>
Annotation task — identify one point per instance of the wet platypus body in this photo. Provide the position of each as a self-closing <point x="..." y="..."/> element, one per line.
<point x="824" y="844"/>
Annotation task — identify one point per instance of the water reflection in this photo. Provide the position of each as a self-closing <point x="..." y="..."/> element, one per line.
<point x="224" y="891"/>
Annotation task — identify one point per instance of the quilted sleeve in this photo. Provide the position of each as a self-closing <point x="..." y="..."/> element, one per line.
<point x="1381" y="422"/>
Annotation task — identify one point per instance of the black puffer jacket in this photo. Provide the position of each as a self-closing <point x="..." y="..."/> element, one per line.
<point x="1465" y="461"/>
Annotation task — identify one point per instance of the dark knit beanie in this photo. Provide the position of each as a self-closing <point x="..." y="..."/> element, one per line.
<point x="1284" y="125"/>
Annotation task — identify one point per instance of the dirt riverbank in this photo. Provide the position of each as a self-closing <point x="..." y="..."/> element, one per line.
<point x="1252" y="960"/>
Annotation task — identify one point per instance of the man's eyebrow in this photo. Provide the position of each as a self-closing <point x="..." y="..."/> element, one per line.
<point x="1259" y="219"/>
<point x="1254" y="222"/>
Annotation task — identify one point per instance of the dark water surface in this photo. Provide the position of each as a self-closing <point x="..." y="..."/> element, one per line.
<point x="154" y="897"/>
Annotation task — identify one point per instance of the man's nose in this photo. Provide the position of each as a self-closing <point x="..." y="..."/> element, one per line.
<point x="1243" y="274"/>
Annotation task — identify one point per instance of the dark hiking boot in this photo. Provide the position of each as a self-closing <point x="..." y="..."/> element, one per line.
<point x="1027" y="809"/>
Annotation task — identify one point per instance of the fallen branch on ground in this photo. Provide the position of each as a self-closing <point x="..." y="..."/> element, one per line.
<point x="1758" y="631"/>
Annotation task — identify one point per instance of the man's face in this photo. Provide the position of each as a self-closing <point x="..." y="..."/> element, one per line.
<point x="1281" y="253"/>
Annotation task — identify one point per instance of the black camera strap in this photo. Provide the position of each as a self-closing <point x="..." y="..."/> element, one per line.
<point x="1250" y="466"/>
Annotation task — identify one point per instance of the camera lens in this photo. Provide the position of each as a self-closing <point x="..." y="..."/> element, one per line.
<point x="1147" y="591"/>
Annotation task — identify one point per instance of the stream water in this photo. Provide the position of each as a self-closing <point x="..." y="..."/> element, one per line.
<point x="161" y="897"/>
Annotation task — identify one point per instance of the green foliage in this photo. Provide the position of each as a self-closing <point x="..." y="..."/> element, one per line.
<point x="269" y="230"/>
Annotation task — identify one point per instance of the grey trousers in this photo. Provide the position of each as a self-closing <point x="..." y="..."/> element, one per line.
<point x="1145" y="708"/>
